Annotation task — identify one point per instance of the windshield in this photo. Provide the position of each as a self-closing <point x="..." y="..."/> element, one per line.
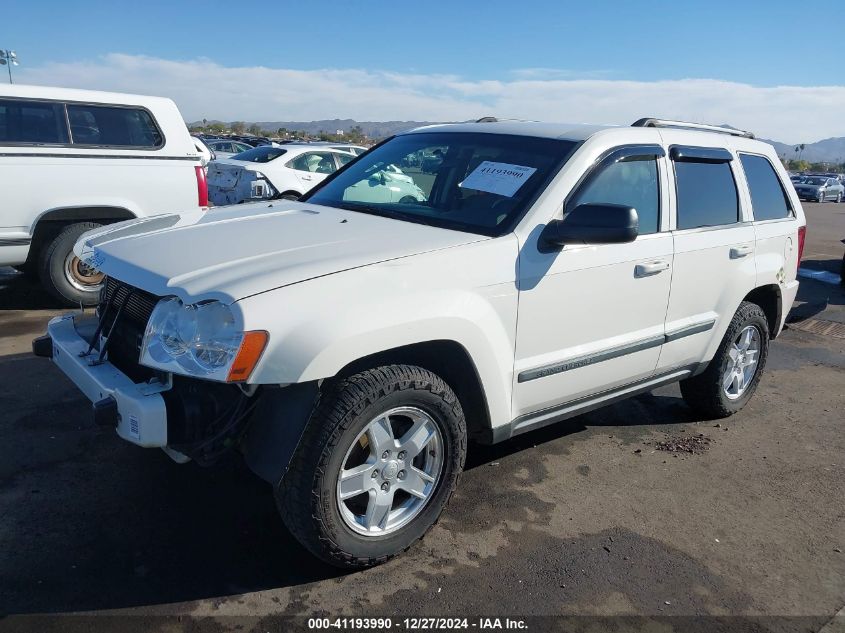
<point x="815" y="181"/>
<point x="262" y="154"/>
<point x="476" y="182"/>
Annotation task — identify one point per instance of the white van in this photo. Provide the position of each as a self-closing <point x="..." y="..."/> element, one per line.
<point x="72" y="160"/>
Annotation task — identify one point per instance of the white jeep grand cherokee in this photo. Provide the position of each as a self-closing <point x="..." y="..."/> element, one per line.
<point x="349" y="348"/>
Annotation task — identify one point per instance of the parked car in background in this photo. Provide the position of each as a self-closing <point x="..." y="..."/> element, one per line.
<point x="820" y="189"/>
<point x="357" y="150"/>
<point x="351" y="349"/>
<point x="73" y="160"/>
<point x="284" y="171"/>
<point x="225" y="148"/>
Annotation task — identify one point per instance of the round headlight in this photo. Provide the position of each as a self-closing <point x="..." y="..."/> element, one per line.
<point x="217" y="338"/>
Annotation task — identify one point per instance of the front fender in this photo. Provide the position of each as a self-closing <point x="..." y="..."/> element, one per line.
<point x="319" y="327"/>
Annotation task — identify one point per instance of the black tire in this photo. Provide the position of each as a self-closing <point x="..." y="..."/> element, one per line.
<point x="290" y="196"/>
<point x="306" y="496"/>
<point x="704" y="392"/>
<point x="52" y="268"/>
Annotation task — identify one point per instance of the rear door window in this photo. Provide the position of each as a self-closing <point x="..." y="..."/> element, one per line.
<point x="315" y="162"/>
<point x="113" y="126"/>
<point x="36" y="122"/>
<point x="768" y="198"/>
<point x="707" y="194"/>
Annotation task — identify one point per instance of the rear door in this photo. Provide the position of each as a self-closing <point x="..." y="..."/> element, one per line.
<point x="714" y="266"/>
<point x="775" y="225"/>
<point x="312" y="167"/>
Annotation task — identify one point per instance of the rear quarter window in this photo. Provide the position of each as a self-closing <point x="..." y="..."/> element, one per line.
<point x="768" y="198"/>
<point x="113" y="126"/>
<point x="707" y="194"/>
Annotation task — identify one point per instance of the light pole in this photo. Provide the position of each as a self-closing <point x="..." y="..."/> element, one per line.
<point x="8" y="58"/>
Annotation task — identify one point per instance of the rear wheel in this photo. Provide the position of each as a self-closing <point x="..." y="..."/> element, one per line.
<point x="63" y="274"/>
<point x="375" y="467"/>
<point x="732" y="376"/>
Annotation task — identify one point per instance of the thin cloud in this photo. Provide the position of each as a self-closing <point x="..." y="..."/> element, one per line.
<point x="205" y="89"/>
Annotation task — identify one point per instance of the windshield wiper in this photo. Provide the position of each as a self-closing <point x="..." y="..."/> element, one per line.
<point x="368" y="208"/>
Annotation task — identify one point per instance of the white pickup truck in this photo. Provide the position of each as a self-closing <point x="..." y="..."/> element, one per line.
<point x="350" y="348"/>
<point x="73" y="160"/>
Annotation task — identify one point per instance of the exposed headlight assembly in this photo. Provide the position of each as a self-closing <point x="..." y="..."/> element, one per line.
<point x="201" y="340"/>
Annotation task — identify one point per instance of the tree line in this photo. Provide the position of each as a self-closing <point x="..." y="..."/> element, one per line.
<point x="353" y="135"/>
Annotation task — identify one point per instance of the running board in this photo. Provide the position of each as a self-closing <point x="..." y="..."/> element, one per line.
<point x="558" y="413"/>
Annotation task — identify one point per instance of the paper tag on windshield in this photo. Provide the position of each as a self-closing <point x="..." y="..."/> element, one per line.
<point x="499" y="178"/>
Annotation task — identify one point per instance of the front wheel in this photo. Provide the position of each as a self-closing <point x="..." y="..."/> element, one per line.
<point x="838" y="197"/>
<point x="64" y="275"/>
<point x="732" y="376"/>
<point x="376" y="465"/>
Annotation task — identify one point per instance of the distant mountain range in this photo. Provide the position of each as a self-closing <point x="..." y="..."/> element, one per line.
<point x="828" y="150"/>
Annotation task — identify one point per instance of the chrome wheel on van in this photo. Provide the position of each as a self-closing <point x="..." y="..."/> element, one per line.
<point x="390" y="471"/>
<point x="744" y="353"/>
<point x="81" y="276"/>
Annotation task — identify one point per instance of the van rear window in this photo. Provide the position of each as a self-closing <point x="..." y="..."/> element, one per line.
<point x="36" y="122"/>
<point x="113" y="126"/>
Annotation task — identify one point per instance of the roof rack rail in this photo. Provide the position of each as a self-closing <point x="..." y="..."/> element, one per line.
<point x="487" y="119"/>
<point x="685" y="125"/>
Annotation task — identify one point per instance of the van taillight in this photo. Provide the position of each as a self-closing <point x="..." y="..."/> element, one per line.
<point x="202" y="186"/>
<point x="802" y="233"/>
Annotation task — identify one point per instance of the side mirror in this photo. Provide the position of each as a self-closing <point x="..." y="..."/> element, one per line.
<point x="593" y="224"/>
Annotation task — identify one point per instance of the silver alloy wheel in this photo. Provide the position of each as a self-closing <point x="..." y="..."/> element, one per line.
<point x="743" y="354"/>
<point x="838" y="197"/>
<point x="82" y="276"/>
<point x="385" y="481"/>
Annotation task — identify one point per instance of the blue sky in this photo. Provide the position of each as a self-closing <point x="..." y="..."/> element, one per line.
<point x="459" y="46"/>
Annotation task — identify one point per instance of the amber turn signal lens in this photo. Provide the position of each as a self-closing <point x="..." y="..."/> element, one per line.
<point x="248" y="355"/>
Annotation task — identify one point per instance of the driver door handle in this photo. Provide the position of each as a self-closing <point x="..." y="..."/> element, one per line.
<point x="308" y="178"/>
<point x="651" y="268"/>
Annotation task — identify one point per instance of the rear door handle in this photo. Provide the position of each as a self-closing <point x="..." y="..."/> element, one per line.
<point x="740" y="251"/>
<point x="307" y="178"/>
<point x="651" y="268"/>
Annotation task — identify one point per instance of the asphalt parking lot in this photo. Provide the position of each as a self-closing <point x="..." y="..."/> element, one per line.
<point x="589" y="517"/>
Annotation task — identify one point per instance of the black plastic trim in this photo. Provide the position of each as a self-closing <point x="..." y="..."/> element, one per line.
<point x="691" y="154"/>
<point x="15" y="241"/>
<point x="613" y="352"/>
<point x="572" y="408"/>
<point x="589" y="359"/>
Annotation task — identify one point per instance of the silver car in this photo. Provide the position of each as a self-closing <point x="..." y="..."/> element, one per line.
<point x="225" y="148"/>
<point x="820" y="189"/>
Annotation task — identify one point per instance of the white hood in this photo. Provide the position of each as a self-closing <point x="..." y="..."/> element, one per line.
<point x="234" y="252"/>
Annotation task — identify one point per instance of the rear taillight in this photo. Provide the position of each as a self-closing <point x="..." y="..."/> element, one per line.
<point x="202" y="186"/>
<point x="802" y="233"/>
